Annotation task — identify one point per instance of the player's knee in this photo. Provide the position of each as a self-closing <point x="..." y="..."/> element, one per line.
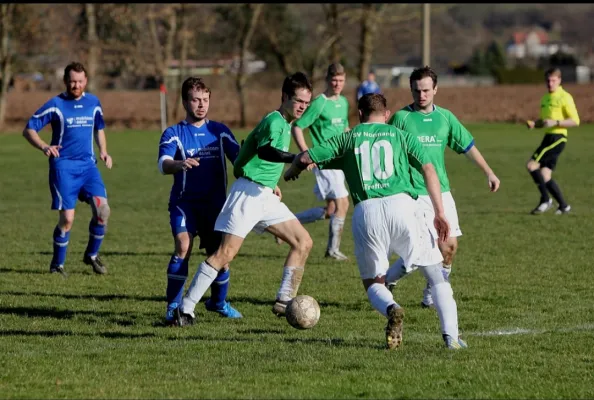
<point x="303" y="243"/>
<point x="102" y="210"/>
<point x="182" y="246"/>
<point x="66" y="221"/>
<point x="448" y="253"/>
<point x="532" y="165"/>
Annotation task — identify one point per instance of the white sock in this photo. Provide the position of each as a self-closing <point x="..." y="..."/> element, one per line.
<point x="335" y="233"/>
<point x="443" y="299"/>
<point x="203" y="278"/>
<point x="311" y="215"/>
<point x="427" y="297"/>
<point x="290" y="283"/>
<point x="396" y="271"/>
<point x="380" y="298"/>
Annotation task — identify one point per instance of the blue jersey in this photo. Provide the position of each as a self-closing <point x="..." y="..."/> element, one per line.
<point x="211" y="143"/>
<point x="73" y="122"/>
<point x="367" y="87"/>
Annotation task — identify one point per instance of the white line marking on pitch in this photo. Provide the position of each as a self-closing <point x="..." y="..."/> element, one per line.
<point x="521" y="331"/>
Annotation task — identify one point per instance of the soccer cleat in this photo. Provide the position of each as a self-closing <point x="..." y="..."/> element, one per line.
<point x="336" y="254"/>
<point x="452" y="344"/>
<point x="279" y="308"/>
<point x="170" y="314"/>
<point x="391" y="285"/>
<point x="181" y="318"/>
<point x="542" y="207"/>
<point x="58" y="269"/>
<point x="226" y="311"/>
<point x="565" y="210"/>
<point x="394" y="327"/>
<point x="96" y="263"/>
<point x="427" y="305"/>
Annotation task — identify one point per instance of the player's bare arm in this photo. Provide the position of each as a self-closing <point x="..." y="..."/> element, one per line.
<point x="299" y="138"/>
<point x="434" y="190"/>
<point x="475" y="155"/>
<point x="552" y="123"/>
<point x="300" y="162"/>
<point x="36" y="141"/>
<point x="102" y="144"/>
<point x="174" y="166"/>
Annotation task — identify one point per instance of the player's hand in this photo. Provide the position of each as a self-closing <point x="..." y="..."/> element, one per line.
<point x="530" y="124"/>
<point x="106" y="158"/>
<point x="52" y="151"/>
<point x="292" y="173"/>
<point x="443" y="228"/>
<point x="190" y="163"/>
<point x="278" y="192"/>
<point x="493" y="182"/>
<point x="310" y="167"/>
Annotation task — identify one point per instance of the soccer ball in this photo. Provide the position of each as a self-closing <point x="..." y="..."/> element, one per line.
<point x="303" y="312"/>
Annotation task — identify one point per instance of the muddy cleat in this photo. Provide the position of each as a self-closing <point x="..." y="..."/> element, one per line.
<point x="454" y="345"/>
<point x="394" y="327"/>
<point x="226" y="311"/>
<point x="561" y="211"/>
<point x="96" y="263"/>
<point x="542" y="207"/>
<point x="279" y="308"/>
<point x="336" y="254"/>
<point x="181" y="318"/>
<point x="58" y="269"/>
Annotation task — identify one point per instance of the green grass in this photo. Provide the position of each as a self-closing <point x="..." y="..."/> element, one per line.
<point x="100" y="336"/>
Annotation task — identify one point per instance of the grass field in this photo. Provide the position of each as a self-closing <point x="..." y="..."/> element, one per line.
<point x="524" y="287"/>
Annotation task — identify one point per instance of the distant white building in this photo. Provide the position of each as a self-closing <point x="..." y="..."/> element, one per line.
<point x="535" y="43"/>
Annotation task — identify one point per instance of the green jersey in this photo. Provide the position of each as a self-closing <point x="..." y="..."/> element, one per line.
<point x="376" y="160"/>
<point x="273" y="130"/>
<point x="435" y="131"/>
<point x="325" y="118"/>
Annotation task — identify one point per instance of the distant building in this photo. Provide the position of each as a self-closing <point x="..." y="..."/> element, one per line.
<point x="534" y="43"/>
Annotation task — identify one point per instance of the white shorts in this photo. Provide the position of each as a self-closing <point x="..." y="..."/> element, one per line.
<point x="391" y="225"/>
<point x="251" y="206"/>
<point x="449" y="207"/>
<point x="330" y="184"/>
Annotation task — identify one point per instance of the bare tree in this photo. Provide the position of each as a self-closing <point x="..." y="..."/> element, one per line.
<point x="371" y="15"/>
<point x="6" y="53"/>
<point x="252" y="14"/>
<point x="333" y="18"/>
<point x="185" y="36"/>
<point x="93" y="43"/>
<point x="164" y="21"/>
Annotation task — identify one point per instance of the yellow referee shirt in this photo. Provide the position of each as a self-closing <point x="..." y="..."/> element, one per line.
<point x="558" y="105"/>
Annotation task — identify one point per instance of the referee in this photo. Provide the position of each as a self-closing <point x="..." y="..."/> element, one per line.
<point x="557" y="113"/>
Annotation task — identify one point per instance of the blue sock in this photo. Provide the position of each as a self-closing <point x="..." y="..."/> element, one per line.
<point x="96" y="233"/>
<point x="177" y="273"/>
<point x="60" y="246"/>
<point x="219" y="289"/>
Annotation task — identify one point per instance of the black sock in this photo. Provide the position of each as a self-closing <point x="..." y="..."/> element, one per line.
<point x="556" y="193"/>
<point x="542" y="186"/>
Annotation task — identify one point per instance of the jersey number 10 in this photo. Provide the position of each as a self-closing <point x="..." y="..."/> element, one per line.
<point x="371" y="158"/>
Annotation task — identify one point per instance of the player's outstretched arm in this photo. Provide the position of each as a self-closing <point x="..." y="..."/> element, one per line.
<point x="35" y="140"/>
<point x="171" y="166"/>
<point x="102" y="144"/>
<point x="299" y="138"/>
<point x="434" y="190"/>
<point x="475" y="155"/>
<point x="300" y="162"/>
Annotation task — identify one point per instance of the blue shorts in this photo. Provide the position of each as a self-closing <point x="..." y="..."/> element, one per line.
<point x="67" y="184"/>
<point x="198" y="219"/>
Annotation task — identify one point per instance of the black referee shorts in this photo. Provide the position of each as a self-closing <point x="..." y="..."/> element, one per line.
<point x="549" y="150"/>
